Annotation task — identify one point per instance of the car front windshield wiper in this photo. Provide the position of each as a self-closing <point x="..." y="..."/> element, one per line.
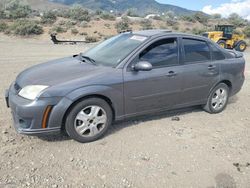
<point x="83" y="58"/>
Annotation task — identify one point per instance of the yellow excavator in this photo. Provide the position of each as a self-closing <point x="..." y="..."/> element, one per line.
<point x="226" y="37"/>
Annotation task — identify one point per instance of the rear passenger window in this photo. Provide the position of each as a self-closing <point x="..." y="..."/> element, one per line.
<point x="216" y="53"/>
<point x="195" y="50"/>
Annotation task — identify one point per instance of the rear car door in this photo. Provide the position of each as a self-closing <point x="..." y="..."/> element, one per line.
<point x="200" y="73"/>
<point x="146" y="91"/>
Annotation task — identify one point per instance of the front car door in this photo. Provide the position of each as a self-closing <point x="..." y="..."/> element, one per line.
<point x="148" y="91"/>
<point x="200" y="73"/>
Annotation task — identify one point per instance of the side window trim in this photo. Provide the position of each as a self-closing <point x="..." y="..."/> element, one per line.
<point x="183" y="51"/>
<point x="130" y="61"/>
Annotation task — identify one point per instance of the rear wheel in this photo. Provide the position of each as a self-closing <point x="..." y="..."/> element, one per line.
<point x="88" y="120"/>
<point x="222" y="43"/>
<point x="241" y="46"/>
<point x="218" y="99"/>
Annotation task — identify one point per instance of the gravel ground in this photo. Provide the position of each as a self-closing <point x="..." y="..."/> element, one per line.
<point x="195" y="150"/>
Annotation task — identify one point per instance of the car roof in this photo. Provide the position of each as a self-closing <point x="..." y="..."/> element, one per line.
<point x="162" y="32"/>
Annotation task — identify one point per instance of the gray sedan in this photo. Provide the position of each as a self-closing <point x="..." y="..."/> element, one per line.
<point x="131" y="74"/>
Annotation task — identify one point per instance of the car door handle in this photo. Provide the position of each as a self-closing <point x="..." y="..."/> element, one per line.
<point x="211" y="67"/>
<point x="171" y="74"/>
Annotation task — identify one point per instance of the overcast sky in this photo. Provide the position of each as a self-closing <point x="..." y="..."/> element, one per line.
<point x="224" y="7"/>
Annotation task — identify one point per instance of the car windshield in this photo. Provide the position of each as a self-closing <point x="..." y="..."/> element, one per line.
<point x="112" y="51"/>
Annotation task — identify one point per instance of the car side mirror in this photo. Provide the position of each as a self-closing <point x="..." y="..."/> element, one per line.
<point x="142" y="66"/>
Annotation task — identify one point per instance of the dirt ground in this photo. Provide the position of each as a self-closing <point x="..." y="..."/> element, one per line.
<point x="200" y="150"/>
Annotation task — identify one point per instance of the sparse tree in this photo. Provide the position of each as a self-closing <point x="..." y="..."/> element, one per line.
<point x="236" y="20"/>
<point x="216" y="16"/>
<point x="247" y="31"/>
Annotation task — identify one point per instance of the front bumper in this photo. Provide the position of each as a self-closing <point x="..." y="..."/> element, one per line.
<point x="28" y="116"/>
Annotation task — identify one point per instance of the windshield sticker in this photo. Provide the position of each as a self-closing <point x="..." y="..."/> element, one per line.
<point x="139" y="38"/>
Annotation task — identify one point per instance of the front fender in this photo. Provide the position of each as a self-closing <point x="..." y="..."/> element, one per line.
<point x="113" y="93"/>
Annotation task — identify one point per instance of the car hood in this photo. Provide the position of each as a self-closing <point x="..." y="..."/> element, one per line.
<point x="57" y="71"/>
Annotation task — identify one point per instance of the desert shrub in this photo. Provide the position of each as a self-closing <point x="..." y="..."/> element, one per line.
<point x="61" y="22"/>
<point x="65" y="13"/>
<point x="74" y="31"/>
<point x="201" y="17"/>
<point x="26" y="27"/>
<point x="66" y="24"/>
<point x="170" y="14"/>
<point x="175" y="27"/>
<point x="84" y="24"/>
<point x="97" y="18"/>
<point x="107" y="16"/>
<point x="236" y="20"/>
<point x="7" y="32"/>
<point x="157" y="18"/>
<point x="146" y="24"/>
<point x="3" y="26"/>
<point x="247" y="31"/>
<point x="188" y="18"/>
<point x="98" y="12"/>
<point x="2" y="14"/>
<point x="69" y="24"/>
<point x="107" y="37"/>
<point x="122" y="25"/>
<point x="48" y="17"/>
<point x="107" y="25"/>
<point x="16" y="9"/>
<point x="78" y="13"/>
<point x="100" y="34"/>
<point x="199" y="31"/>
<point x="84" y="33"/>
<point x="90" y="39"/>
<point x="58" y="29"/>
<point x="238" y="32"/>
<point x="163" y="27"/>
<point x="171" y="22"/>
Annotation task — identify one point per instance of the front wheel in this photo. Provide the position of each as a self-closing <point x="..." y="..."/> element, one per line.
<point x="218" y="99"/>
<point x="222" y="43"/>
<point x="88" y="120"/>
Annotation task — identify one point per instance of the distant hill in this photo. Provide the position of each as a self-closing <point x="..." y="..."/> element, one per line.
<point x="140" y="6"/>
<point x="45" y="5"/>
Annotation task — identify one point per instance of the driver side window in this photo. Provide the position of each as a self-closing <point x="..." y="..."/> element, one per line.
<point x="161" y="53"/>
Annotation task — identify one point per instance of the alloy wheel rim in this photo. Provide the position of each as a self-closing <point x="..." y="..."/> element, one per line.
<point x="90" y="121"/>
<point x="219" y="99"/>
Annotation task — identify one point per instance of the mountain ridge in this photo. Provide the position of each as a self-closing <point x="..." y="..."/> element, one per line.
<point x="139" y="6"/>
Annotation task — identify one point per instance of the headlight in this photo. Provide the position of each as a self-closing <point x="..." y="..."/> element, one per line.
<point x="31" y="91"/>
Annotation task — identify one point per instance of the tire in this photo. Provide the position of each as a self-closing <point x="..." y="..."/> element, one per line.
<point x="222" y="43"/>
<point x="241" y="46"/>
<point x="89" y="120"/>
<point x="217" y="97"/>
